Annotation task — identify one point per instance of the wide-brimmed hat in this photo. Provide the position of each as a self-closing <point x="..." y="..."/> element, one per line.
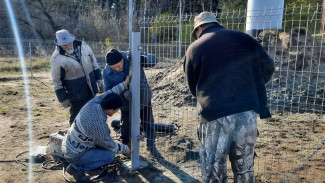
<point x="63" y="37"/>
<point x="203" y="18"/>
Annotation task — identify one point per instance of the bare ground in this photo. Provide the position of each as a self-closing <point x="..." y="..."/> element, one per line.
<point x="49" y="117"/>
<point x="290" y="148"/>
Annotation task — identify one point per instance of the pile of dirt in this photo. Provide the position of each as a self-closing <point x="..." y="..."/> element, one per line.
<point x="170" y="86"/>
<point x="49" y="117"/>
<point x="298" y="82"/>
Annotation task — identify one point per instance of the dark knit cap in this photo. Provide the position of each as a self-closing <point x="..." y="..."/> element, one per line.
<point x="112" y="101"/>
<point x="113" y="57"/>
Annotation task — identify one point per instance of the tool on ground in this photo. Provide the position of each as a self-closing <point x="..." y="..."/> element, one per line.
<point x="159" y="127"/>
<point x="56" y="142"/>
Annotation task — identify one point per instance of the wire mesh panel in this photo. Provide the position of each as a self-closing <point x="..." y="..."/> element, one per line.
<point x="290" y="146"/>
<point x="173" y="106"/>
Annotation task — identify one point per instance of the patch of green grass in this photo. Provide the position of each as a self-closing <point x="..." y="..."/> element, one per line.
<point x="4" y="109"/>
<point x="8" y="107"/>
<point x="318" y="36"/>
<point x="12" y="66"/>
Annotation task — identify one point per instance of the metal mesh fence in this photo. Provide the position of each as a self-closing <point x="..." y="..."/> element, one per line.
<point x="291" y="145"/>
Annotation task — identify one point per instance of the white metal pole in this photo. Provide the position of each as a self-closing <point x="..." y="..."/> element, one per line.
<point x="135" y="103"/>
<point x="134" y="39"/>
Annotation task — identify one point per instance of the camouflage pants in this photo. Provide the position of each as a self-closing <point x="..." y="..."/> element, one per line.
<point x="233" y="135"/>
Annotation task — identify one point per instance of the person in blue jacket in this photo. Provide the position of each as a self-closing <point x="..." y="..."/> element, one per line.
<point x="116" y="70"/>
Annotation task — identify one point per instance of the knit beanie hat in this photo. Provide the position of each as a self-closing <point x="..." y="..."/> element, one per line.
<point x="112" y="101"/>
<point x="113" y="57"/>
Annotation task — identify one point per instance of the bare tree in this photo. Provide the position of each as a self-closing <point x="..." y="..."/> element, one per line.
<point x="39" y="16"/>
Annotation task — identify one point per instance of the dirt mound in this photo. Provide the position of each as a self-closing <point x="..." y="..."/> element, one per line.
<point x="170" y="86"/>
<point x="297" y="84"/>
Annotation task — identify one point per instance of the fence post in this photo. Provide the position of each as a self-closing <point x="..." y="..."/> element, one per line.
<point x="135" y="103"/>
<point x="130" y="23"/>
<point x="180" y="30"/>
<point x="30" y="59"/>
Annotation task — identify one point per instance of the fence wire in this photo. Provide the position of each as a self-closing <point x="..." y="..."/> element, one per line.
<point x="291" y="145"/>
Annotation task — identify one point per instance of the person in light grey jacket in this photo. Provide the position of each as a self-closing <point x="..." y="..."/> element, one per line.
<point x="75" y="72"/>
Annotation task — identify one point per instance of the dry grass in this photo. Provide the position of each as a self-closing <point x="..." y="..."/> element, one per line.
<point x="12" y="66"/>
<point x="290" y="147"/>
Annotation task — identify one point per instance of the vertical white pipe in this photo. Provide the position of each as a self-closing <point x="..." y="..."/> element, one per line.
<point x="263" y="14"/>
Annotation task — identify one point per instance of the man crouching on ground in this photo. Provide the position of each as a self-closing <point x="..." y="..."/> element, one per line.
<point x="88" y="144"/>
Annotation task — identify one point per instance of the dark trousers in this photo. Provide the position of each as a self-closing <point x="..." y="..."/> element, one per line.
<point x="75" y="108"/>
<point x="147" y="125"/>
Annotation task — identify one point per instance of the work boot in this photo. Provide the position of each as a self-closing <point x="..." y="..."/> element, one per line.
<point x="154" y="151"/>
<point x="78" y="175"/>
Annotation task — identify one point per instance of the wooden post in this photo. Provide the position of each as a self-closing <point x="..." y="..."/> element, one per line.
<point x="323" y="16"/>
